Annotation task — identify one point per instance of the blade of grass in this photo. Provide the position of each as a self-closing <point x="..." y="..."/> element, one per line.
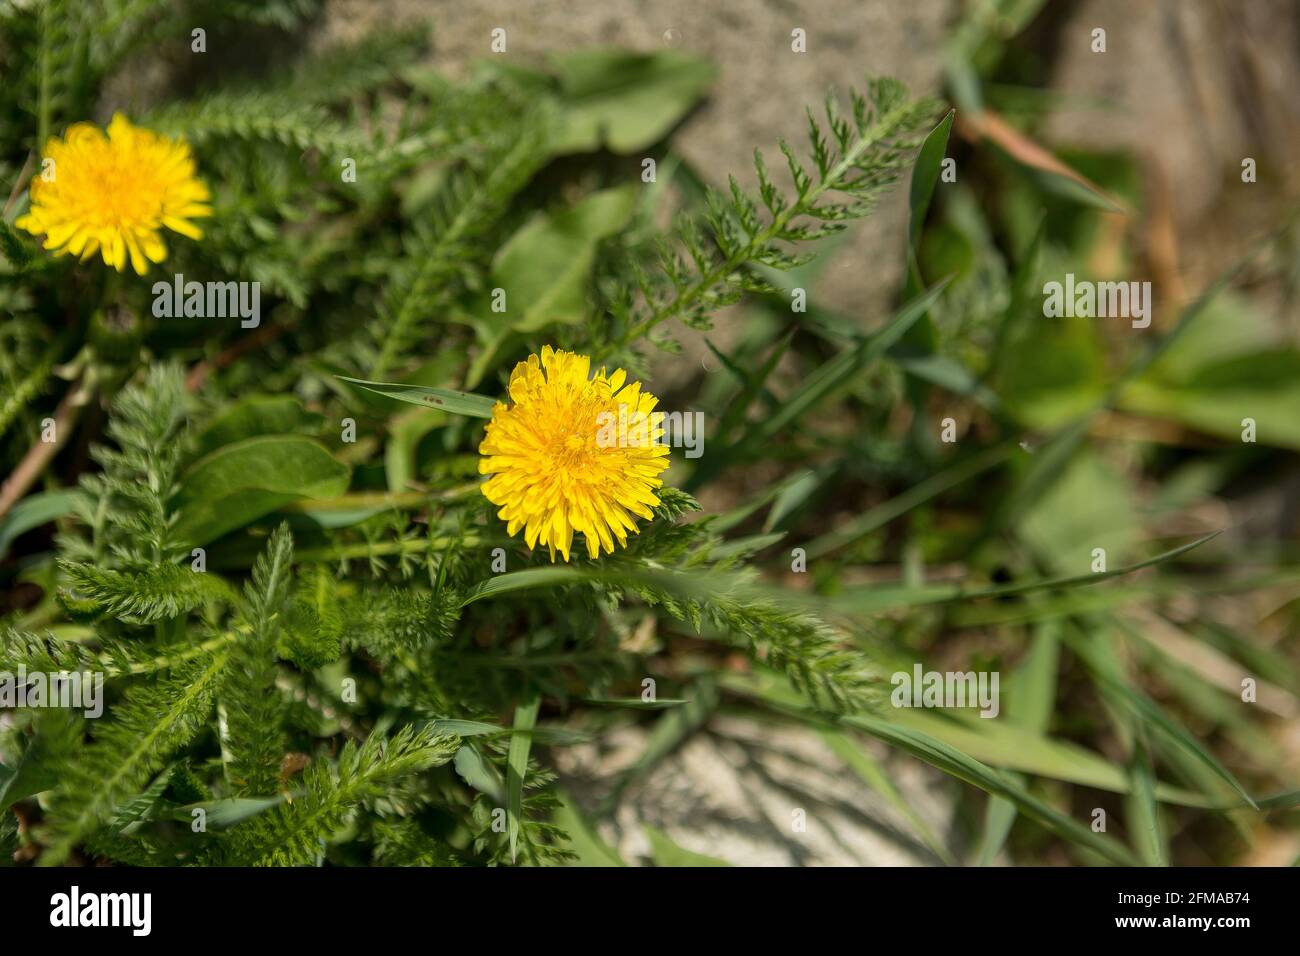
<point x="446" y="399"/>
<point x="517" y="767"/>
<point x="843" y="368"/>
<point x="873" y="775"/>
<point x="1149" y="714"/>
<point x="1148" y="835"/>
<point x="960" y="765"/>
<point x="667" y="735"/>
<point x="584" y="841"/>
<point x="1030" y="706"/>
<point x="882" y="598"/>
<point x="899" y="505"/>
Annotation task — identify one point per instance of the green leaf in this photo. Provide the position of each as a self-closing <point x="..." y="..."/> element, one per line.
<point x="667" y="853"/>
<point x="635" y="703"/>
<point x="925" y="174"/>
<point x="32" y="512"/>
<point x="921" y="338"/>
<point x="155" y="594"/>
<point x="1051" y="370"/>
<point x="517" y="768"/>
<point x="292" y="834"/>
<point x="584" y="841"/>
<point x="137" y="811"/>
<point x="958" y="764"/>
<point x="918" y="494"/>
<point x="874" y="776"/>
<point x="17" y="248"/>
<point x="466" y="728"/>
<point x="479" y="773"/>
<point x="151" y="723"/>
<point x="882" y="598"/>
<point x="239" y="483"/>
<point x="1003" y="744"/>
<point x="843" y="368"/>
<point x="624" y="101"/>
<point x="1089" y="506"/>
<point x="545" y="267"/>
<point x="446" y="399"/>
<point x="794" y="493"/>
<point x="1033" y="693"/>
<point x="58" y="734"/>
<point x="1151" y="714"/>
<point x="511" y="581"/>
<point x="253" y="416"/>
<point x="1143" y="810"/>
<point x="1263" y="386"/>
<point x="225" y="813"/>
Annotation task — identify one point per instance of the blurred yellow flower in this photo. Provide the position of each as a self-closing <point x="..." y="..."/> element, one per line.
<point x="114" y="194"/>
<point x="573" y="454"/>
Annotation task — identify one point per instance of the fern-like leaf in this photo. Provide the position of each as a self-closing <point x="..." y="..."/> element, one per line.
<point x="294" y="834"/>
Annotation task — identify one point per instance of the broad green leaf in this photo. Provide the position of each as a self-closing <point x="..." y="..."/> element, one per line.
<point x="1051" y="371"/>
<point x="1090" y="506"/>
<point x="253" y="416"/>
<point x="32" y="512"/>
<point x="545" y="267"/>
<point x="58" y="732"/>
<point x="1263" y="387"/>
<point x="1230" y="326"/>
<point x="239" y="483"/>
<point x="626" y="101"/>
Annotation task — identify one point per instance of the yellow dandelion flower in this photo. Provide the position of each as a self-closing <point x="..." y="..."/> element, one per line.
<point x="114" y="194"/>
<point x="574" y="453"/>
